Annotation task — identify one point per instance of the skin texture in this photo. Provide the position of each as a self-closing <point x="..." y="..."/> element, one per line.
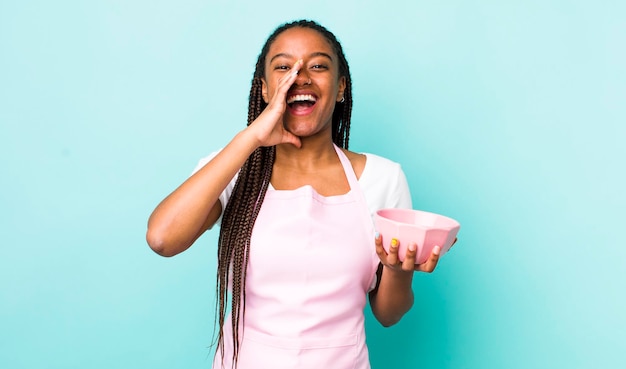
<point x="300" y="61"/>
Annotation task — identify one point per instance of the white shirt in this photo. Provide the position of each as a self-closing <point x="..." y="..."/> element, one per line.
<point x="383" y="182"/>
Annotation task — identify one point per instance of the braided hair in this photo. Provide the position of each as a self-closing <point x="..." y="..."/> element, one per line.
<point x="254" y="177"/>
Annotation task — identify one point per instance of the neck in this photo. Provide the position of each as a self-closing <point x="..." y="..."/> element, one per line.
<point x="312" y="153"/>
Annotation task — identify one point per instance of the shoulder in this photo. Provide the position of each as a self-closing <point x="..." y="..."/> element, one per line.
<point x="378" y="168"/>
<point x="377" y="163"/>
<point x="382" y="173"/>
<point x="384" y="183"/>
<point x="357" y="160"/>
<point x="366" y="163"/>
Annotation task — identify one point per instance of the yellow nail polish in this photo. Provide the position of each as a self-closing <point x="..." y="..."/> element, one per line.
<point x="394" y="242"/>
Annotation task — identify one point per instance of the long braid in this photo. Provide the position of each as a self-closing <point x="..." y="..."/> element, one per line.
<point x="253" y="180"/>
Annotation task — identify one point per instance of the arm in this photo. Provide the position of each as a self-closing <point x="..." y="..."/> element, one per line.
<point x="393" y="296"/>
<point x="193" y="207"/>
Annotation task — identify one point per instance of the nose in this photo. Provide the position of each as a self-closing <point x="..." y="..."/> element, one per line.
<point x="303" y="78"/>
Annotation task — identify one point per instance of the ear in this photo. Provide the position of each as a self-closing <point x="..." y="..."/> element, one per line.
<point x="264" y="90"/>
<point x="342" y="88"/>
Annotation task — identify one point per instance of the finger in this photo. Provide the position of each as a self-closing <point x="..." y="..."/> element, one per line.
<point x="429" y="265"/>
<point x="380" y="250"/>
<point x="409" y="260"/>
<point x="287" y="80"/>
<point x="392" y="256"/>
<point x="292" y="139"/>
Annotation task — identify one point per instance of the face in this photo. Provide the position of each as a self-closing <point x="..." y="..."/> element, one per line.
<point x="311" y="99"/>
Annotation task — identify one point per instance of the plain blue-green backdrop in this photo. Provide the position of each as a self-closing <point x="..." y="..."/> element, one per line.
<point x="506" y="115"/>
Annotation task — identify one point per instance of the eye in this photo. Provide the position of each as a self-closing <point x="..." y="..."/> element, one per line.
<point x="319" y="66"/>
<point x="281" y="67"/>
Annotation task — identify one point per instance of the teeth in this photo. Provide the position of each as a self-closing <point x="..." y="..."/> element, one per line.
<point x="300" y="98"/>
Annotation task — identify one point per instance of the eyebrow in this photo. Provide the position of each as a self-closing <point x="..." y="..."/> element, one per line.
<point x="317" y="53"/>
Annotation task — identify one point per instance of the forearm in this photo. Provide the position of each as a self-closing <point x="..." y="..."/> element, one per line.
<point x="393" y="297"/>
<point x="194" y="207"/>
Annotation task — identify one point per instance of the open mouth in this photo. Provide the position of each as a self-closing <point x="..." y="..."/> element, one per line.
<point x="301" y="102"/>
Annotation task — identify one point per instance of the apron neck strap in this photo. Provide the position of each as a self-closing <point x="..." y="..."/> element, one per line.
<point x="347" y="167"/>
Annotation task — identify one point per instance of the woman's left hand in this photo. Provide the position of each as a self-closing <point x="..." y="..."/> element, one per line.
<point x="392" y="260"/>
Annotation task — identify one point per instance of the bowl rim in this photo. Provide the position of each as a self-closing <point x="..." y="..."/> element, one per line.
<point x="454" y="222"/>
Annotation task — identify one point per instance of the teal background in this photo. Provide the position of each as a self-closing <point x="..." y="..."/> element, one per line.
<point x="508" y="116"/>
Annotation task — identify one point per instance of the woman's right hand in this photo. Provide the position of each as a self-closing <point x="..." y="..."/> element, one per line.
<point x="268" y="127"/>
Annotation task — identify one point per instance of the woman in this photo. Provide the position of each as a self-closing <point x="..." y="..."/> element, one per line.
<point x="297" y="249"/>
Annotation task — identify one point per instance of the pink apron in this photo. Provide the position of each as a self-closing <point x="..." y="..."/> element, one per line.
<point x="312" y="261"/>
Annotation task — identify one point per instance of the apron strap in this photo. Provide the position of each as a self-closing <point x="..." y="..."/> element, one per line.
<point x="347" y="168"/>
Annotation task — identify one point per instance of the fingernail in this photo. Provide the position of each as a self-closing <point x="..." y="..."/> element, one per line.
<point x="376" y="235"/>
<point x="394" y="242"/>
<point x="296" y="64"/>
<point x="436" y="250"/>
<point x="411" y="246"/>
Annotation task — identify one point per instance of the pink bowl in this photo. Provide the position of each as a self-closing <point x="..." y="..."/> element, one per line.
<point x="426" y="229"/>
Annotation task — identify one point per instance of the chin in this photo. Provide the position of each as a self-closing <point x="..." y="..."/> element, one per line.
<point x="300" y="129"/>
<point x="303" y="127"/>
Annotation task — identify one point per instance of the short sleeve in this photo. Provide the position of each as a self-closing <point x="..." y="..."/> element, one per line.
<point x="399" y="196"/>
<point x="384" y="184"/>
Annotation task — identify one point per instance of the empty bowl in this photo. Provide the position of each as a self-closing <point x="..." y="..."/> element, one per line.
<point x="425" y="229"/>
